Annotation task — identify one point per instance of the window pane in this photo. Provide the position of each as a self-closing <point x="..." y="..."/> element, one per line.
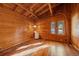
<point x="60" y="27"/>
<point x="53" y="27"/>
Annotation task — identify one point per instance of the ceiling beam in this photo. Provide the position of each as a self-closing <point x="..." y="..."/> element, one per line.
<point x="47" y="10"/>
<point x="50" y="8"/>
<point x="39" y="9"/>
<point x="6" y="5"/>
<point x="33" y="5"/>
<point x="43" y="12"/>
<point x="31" y="8"/>
<point x="26" y="10"/>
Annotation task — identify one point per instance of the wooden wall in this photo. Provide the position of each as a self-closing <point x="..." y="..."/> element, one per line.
<point x="75" y="25"/>
<point x="14" y="28"/>
<point x="43" y="25"/>
<point x="44" y="30"/>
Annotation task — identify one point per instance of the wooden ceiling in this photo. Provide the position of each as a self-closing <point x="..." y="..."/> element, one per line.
<point x="32" y="10"/>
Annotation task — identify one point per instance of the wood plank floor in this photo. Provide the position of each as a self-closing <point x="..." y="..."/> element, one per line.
<point x="45" y="48"/>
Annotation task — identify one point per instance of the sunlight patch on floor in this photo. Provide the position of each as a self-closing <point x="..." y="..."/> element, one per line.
<point x="29" y="45"/>
<point x="30" y="51"/>
<point x="57" y="50"/>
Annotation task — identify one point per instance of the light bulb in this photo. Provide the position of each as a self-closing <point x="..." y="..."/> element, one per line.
<point x="34" y="26"/>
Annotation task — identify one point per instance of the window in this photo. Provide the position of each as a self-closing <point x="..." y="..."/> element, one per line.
<point x="60" y="27"/>
<point x="53" y="27"/>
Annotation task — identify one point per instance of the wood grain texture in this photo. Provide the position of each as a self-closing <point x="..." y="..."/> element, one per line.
<point x="48" y="48"/>
<point x="14" y="28"/>
<point x="44" y="26"/>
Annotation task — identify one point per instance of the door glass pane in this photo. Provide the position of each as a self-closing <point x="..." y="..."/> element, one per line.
<point x="60" y="27"/>
<point x="53" y="27"/>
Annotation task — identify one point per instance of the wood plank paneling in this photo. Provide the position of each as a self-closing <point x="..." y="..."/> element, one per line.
<point x="45" y="25"/>
<point x="14" y="28"/>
